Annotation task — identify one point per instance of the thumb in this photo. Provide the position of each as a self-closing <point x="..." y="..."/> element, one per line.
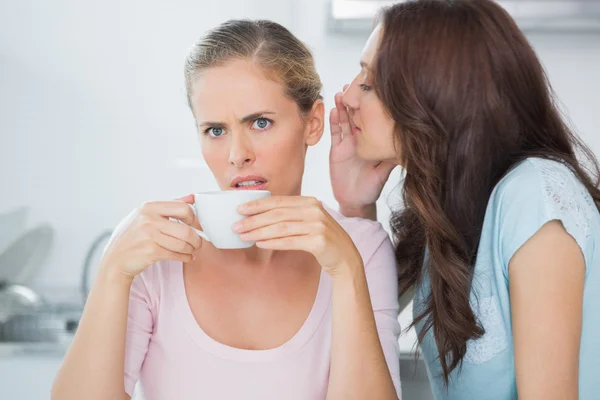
<point x="187" y="199"/>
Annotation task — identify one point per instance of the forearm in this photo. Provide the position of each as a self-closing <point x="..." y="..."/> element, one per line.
<point x="94" y="365"/>
<point x="368" y="211"/>
<point x="358" y="367"/>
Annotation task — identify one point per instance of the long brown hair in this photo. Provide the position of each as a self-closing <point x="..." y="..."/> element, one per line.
<point x="470" y="100"/>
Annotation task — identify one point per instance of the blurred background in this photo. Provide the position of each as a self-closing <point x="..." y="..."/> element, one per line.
<point x="93" y="122"/>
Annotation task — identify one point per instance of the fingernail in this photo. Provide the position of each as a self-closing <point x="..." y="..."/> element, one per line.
<point x="242" y="209"/>
<point x="244" y="236"/>
<point x="236" y="227"/>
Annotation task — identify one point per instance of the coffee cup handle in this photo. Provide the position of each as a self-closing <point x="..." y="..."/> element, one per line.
<point x="201" y="234"/>
<point x="198" y="232"/>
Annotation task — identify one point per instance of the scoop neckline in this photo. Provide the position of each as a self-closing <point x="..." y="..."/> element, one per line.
<point x="293" y="345"/>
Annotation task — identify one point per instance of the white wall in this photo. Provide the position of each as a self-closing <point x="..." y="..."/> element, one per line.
<point x="93" y="113"/>
<point x="93" y="119"/>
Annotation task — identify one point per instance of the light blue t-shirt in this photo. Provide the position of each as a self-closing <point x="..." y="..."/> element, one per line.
<point x="533" y="193"/>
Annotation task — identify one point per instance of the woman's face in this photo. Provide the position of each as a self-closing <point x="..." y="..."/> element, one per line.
<point x="253" y="136"/>
<point x="371" y="124"/>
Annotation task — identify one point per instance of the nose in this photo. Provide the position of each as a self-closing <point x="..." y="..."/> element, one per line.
<point x="240" y="153"/>
<point x="350" y="96"/>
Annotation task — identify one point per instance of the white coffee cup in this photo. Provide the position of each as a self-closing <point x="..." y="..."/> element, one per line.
<point x="217" y="213"/>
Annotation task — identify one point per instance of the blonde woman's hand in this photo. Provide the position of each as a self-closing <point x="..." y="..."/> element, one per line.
<point x="151" y="236"/>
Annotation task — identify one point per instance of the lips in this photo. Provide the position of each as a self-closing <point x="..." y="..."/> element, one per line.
<point x="250" y="182"/>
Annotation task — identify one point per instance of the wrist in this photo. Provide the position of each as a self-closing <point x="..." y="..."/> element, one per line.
<point x="349" y="273"/>
<point x="366" y="211"/>
<point x="111" y="274"/>
<point x="349" y="287"/>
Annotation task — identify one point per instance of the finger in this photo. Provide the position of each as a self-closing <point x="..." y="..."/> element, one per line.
<point x="170" y="209"/>
<point x="334" y="127"/>
<point x="180" y="231"/>
<point x="165" y="254"/>
<point x="275" y="216"/>
<point x="286" y="243"/>
<point x="339" y="102"/>
<point x="173" y="244"/>
<point x="308" y="243"/>
<point x="346" y="86"/>
<point x="272" y="202"/>
<point x="280" y="230"/>
<point x="343" y="117"/>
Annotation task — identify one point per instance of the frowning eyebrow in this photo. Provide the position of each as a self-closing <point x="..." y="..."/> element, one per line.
<point x="247" y="118"/>
<point x="364" y="65"/>
<point x="254" y="116"/>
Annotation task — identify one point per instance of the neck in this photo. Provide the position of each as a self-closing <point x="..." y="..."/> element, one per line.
<point x="252" y="257"/>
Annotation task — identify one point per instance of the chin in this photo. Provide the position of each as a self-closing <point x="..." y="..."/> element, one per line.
<point x="375" y="154"/>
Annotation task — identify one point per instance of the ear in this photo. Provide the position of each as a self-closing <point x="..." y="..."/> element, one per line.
<point x="315" y="123"/>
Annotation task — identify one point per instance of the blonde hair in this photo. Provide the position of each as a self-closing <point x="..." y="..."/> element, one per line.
<point x="274" y="49"/>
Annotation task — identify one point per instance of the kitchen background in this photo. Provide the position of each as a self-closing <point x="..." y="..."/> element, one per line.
<point x="93" y="121"/>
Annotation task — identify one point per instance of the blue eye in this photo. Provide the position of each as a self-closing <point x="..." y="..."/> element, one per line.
<point x="261" y="124"/>
<point x="215" y="131"/>
<point x="365" y="88"/>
